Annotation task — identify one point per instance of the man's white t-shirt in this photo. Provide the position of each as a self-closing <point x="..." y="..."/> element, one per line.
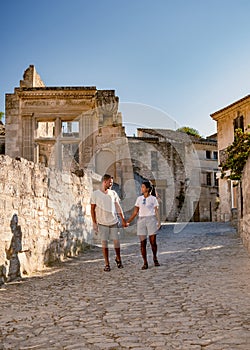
<point x="146" y="205"/>
<point x="105" y="207"/>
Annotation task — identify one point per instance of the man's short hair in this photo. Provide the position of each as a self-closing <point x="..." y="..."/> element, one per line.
<point x="106" y="177"/>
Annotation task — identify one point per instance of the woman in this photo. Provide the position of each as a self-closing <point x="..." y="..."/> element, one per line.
<point x="147" y="207"/>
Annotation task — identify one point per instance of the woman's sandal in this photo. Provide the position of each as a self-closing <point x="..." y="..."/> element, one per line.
<point x="107" y="268"/>
<point x="156" y="262"/>
<point x="119" y="263"/>
<point x="145" y="267"/>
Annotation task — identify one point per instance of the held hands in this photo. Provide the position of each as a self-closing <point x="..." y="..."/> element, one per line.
<point x="124" y="223"/>
<point x="96" y="230"/>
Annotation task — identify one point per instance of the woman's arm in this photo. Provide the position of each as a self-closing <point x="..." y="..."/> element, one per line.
<point x="157" y="214"/>
<point x="135" y="212"/>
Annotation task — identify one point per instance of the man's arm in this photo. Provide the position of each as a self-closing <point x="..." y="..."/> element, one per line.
<point x="120" y="212"/>
<point x="93" y="216"/>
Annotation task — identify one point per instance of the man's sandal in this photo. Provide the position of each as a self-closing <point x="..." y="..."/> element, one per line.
<point x="156" y="262"/>
<point x="144" y="267"/>
<point x="119" y="263"/>
<point x="106" y="268"/>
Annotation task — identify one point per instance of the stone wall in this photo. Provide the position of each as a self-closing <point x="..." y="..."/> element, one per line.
<point x="226" y="119"/>
<point x="44" y="216"/>
<point x="168" y="158"/>
<point x="2" y="138"/>
<point x="167" y="175"/>
<point x="244" y="205"/>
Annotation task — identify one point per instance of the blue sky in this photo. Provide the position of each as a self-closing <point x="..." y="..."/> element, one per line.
<point x="179" y="60"/>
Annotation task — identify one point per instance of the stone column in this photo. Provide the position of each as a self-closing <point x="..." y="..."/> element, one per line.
<point x="28" y="137"/>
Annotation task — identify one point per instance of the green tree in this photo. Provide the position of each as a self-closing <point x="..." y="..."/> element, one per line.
<point x="237" y="155"/>
<point x="189" y="131"/>
<point x="1" y="116"/>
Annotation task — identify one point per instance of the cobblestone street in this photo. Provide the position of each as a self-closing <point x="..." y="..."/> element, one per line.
<point x="197" y="299"/>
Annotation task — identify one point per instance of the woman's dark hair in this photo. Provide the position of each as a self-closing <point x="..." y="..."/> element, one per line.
<point x="150" y="186"/>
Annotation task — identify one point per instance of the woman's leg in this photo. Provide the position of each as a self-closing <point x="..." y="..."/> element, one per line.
<point x="153" y="243"/>
<point x="143" y="241"/>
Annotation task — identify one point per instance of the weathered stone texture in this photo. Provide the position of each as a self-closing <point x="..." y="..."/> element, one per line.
<point x="244" y="222"/>
<point x="228" y="119"/>
<point x="31" y="78"/>
<point x="44" y="216"/>
<point x="2" y="138"/>
<point x="177" y="165"/>
<point x="167" y="176"/>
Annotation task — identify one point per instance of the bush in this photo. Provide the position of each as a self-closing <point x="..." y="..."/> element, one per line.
<point x="237" y="155"/>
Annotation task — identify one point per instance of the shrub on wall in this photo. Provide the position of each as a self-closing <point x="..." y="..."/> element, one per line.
<point x="237" y="155"/>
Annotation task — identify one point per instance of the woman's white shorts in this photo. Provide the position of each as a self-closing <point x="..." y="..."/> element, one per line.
<point x="146" y="225"/>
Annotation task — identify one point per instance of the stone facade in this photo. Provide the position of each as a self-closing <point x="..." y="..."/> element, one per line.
<point x="179" y="167"/>
<point x="157" y="159"/>
<point x="244" y="207"/>
<point x="236" y="115"/>
<point x="207" y="152"/>
<point x="67" y="128"/>
<point x="44" y="216"/>
<point x="78" y="128"/>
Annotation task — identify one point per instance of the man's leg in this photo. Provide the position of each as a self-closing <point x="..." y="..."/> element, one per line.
<point x="117" y="248"/>
<point x="104" y="232"/>
<point x="114" y="234"/>
<point x="105" y="252"/>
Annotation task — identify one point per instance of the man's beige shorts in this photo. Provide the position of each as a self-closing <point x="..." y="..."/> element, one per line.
<point x="109" y="232"/>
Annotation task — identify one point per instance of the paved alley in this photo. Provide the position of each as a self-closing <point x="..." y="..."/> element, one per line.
<point x="198" y="299"/>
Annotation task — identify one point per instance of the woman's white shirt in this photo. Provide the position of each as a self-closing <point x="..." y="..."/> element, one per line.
<point x="146" y="205"/>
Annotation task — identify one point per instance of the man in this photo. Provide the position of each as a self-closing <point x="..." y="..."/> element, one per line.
<point x="105" y="205"/>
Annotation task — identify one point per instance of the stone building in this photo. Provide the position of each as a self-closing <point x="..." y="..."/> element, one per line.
<point x="207" y="152"/>
<point x="78" y="128"/>
<point x="158" y="159"/>
<point x="68" y="128"/>
<point x="230" y="118"/>
<point x="183" y="169"/>
<point x="58" y="142"/>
